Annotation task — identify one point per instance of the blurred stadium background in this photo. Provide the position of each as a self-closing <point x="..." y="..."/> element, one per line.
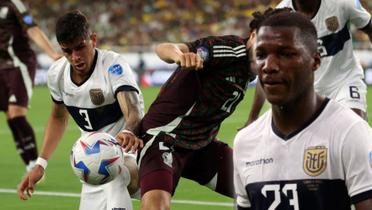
<point x="133" y="27"/>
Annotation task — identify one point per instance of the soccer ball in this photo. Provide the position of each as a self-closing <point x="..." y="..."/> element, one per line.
<point x="96" y="158"/>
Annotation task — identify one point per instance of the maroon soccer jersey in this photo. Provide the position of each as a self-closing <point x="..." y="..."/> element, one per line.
<point x="14" y="43"/>
<point x="192" y="104"/>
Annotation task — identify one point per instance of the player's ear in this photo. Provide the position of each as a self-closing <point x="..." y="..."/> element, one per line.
<point x="317" y="61"/>
<point x="93" y="38"/>
<point x="252" y="39"/>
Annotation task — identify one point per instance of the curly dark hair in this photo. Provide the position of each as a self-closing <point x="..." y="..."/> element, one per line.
<point x="259" y="17"/>
<point x="288" y="18"/>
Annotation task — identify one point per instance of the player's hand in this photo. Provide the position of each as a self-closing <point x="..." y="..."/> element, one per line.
<point x="129" y="141"/>
<point x="27" y="186"/>
<point x="190" y="61"/>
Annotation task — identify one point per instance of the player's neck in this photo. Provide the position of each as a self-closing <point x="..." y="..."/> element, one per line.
<point x="293" y="116"/>
<point x="307" y="7"/>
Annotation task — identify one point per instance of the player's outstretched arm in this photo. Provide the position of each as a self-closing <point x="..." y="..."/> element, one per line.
<point x="39" y="37"/>
<point x="180" y="54"/>
<point x="53" y="134"/>
<point x="129" y="104"/>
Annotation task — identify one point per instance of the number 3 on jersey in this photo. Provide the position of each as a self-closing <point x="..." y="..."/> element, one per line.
<point x="84" y="114"/>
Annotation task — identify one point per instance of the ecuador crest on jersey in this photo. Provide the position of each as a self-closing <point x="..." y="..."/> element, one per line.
<point x="315" y="160"/>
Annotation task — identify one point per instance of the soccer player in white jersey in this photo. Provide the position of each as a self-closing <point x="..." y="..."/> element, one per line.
<point x="340" y="76"/>
<point x="308" y="152"/>
<point x="97" y="88"/>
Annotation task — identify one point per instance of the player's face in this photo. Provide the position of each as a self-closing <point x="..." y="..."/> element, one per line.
<point x="80" y="54"/>
<point x="285" y="65"/>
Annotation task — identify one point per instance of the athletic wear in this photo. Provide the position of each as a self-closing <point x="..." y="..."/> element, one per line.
<point x="181" y="125"/>
<point x="325" y="165"/>
<point x="93" y="104"/>
<point x="94" y="107"/>
<point x="339" y="67"/>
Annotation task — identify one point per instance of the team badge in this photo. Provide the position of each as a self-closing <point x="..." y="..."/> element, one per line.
<point x="116" y="69"/>
<point x="96" y="96"/>
<point x="315" y="160"/>
<point x="203" y="53"/>
<point x="332" y="23"/>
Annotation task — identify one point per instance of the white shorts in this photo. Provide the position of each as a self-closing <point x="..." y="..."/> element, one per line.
<point x="111" y="196"/>
<point x="352" y="94"/>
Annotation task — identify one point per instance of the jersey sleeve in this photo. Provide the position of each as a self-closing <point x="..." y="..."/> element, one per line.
<point x="217" y="51"/>
<point x="358" y="15"/>
<point x="357" y="161"/>
<point x="242" y="200"/>
<point x="23" y="15"/>
<point x="53" y="82"/>
<point x="202" y="47"/>
<point x="122" y="77"/>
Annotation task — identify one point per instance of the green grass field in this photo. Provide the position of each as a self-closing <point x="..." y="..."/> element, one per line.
<point x="61" y="188"/>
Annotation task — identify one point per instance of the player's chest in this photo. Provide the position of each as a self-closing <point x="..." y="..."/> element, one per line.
<point x="308" y="158"/>
<point x="95" y="91"/>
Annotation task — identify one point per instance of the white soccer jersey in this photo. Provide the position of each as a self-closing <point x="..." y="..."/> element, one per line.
<point x="93" y="104"/>
<point x="335" y="43"/>
<point x="321" y="166"/>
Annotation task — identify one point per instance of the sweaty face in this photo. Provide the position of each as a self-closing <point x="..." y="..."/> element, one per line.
<point x="80" y="54"/>
<point x="285" y="65"/>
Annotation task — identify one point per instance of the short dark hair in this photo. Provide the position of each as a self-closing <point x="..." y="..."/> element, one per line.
<point x="259" y="17"/>
<point x="71" y="26"/>
<point x="294" y="19"/>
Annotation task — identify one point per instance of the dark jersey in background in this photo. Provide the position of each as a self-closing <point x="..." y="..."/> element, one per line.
<point x="14" y="42"/>
<point x="192" y="104"/>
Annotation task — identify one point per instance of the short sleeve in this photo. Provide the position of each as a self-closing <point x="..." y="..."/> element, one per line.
<point x="53" y="82"/>
<point x="121" y="76"/>
<point x="357" y="161"/>
<point x="202" y="47"/>
<point x="24" y="16"/>
<point x="358" y="16"/>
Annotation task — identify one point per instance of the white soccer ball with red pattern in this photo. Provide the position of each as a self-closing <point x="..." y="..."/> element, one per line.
<point x="97" y="158"/>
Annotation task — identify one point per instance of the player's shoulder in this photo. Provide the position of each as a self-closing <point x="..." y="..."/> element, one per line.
<point x="225" y="40"/>
<point x="342" y="4"/>
<point x="251" y="134"/>
<point x="112" y="61"/>
<point x="107" y="56"/>
<point x="57" y="71"/>
<point x="58" y="67"/>
<point x="340" y="117"/>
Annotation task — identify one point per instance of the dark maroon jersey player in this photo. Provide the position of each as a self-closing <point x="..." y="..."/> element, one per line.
<point x="192" y="104"/>
<point x="17" y="72"/>
<point x="181" y="125"/>
<point x="14" y="22"/>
